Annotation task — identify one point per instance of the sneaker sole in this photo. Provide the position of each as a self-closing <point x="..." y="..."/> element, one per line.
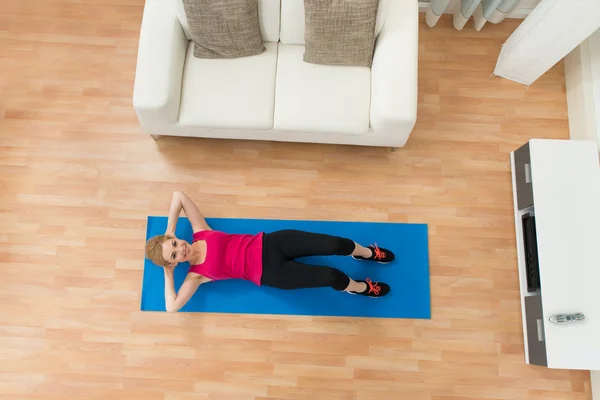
<point x="371" y="297"/>
<point x="378" y="262"/>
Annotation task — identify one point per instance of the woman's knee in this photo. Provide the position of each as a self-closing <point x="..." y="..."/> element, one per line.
<point x="344" y="246"/>
<point x="337" y="279"/>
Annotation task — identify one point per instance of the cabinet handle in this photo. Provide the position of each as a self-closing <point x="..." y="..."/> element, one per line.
<point x="540" y="330"/>
<point x="528" y="173"/>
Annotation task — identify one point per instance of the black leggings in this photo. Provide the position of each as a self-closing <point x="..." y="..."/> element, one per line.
<point x="281" y="271"/>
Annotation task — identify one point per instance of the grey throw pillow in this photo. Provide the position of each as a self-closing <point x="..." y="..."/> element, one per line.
<point x="340" y="32"/>
<point x="224" y="28"/>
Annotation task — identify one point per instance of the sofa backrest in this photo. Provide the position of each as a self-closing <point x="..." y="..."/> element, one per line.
<point x="268" y="16"/>
<point x="292" y="20"/>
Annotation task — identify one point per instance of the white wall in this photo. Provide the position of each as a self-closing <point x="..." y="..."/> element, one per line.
<point x="582" y="76"/>
<point x="594" y="43"/>
<point x="595" y="378"/>
<point x="580" y="93"/>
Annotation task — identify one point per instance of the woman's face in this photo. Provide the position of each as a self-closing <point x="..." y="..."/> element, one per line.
<point x="175" y="251"/>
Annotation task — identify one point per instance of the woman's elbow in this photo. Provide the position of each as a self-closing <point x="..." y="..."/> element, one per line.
<point x="172" y="309"/>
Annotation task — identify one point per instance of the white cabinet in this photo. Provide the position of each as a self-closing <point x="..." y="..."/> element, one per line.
<point x="556" y="192"/>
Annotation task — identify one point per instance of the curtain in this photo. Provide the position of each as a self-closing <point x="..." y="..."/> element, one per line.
<point x="482" y="11"/>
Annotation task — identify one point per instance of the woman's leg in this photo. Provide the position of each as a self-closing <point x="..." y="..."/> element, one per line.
<point x="295" y="275"/>
<point x="295" y="243"/>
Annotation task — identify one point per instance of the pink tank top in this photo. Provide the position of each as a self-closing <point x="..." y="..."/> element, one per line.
<point x="230" y="256"/>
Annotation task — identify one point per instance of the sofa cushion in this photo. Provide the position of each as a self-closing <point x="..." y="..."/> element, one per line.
<point x="320" y="98"/>
<point x="226" y="29"/>
<point x="231" y="93"/>
<point x="292" y="20"/>
<point x="340" y="32"/>
<point x="268" y="16"/>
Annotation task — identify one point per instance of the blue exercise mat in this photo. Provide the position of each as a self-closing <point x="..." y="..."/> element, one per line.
<point x="408" y="275"/>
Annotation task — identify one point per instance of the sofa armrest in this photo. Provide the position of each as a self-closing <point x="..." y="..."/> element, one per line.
<point x="394" y="72"/>
<point x="159" y="70"/>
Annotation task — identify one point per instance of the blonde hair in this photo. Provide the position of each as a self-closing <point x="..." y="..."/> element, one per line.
<point x="154" y="250"/>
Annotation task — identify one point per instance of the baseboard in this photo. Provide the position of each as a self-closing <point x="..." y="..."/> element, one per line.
<point x="519" y="13"/>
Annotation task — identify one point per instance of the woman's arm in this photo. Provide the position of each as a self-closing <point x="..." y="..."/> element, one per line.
<point x="182" y="201"/>
<point x="174" y="301"/>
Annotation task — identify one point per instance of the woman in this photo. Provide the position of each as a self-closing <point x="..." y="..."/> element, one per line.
<point x="264" y="259"/>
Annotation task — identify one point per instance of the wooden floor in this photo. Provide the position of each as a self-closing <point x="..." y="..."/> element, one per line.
<point x="78" y="179"/>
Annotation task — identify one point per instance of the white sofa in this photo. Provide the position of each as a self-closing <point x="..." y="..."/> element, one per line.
<point x="276" y="95"/>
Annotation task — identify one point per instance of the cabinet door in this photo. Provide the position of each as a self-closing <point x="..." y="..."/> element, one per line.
<point x="523" y="177"/>
<point x="535" y="331"/>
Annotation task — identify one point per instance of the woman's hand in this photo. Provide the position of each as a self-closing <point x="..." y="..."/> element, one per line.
<point x="169" y="269"/>
<point x="182" y="201"/>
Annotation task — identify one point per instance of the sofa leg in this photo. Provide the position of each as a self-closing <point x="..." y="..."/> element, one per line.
<point x="155" y="137"/>
<point x="393" y="149"/>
